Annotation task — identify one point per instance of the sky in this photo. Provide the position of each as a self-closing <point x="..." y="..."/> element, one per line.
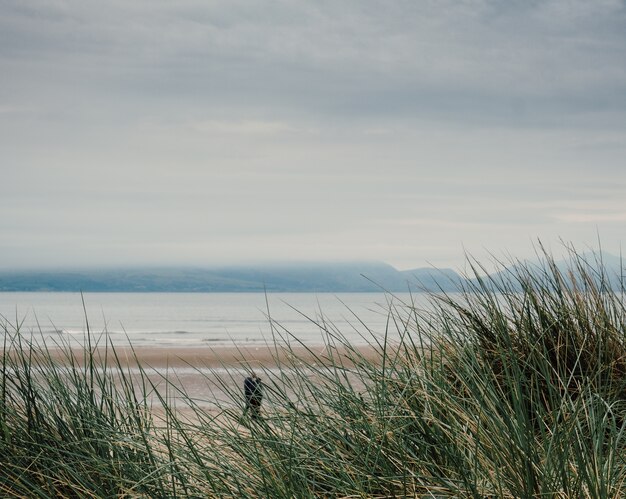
<point x="211" y="132"/>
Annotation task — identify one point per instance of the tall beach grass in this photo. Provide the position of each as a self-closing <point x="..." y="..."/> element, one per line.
<point x="513" y="387"/>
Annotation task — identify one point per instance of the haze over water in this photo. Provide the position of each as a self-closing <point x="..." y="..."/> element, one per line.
<point x="194" y="319"/>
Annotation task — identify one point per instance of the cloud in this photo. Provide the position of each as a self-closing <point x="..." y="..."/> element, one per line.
<point x="245" y="127"/>
<point x="447" y="61"/>
<point x="591" y="217"/>
<point x="302" y="127"/>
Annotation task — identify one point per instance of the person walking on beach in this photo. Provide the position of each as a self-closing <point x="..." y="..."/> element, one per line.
<point x="253" y="392"/>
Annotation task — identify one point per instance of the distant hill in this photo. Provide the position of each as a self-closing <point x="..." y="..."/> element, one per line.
<point x="604" y="268"/>
<point x="302" y="277"/>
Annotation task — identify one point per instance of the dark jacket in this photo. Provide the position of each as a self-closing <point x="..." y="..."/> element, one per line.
<point x="253" y="390"/>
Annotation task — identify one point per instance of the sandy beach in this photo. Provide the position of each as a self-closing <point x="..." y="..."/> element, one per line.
<point x="212" y="357"/>
<point x="211" y="376"/>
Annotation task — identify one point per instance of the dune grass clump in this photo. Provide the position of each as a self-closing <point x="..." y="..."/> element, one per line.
<point x="72" y="428"/>
<point x="532" y="367"/>
<point x="513" y="387"/>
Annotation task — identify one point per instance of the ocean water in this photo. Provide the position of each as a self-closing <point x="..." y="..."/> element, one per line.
<point x="194" y="319"/>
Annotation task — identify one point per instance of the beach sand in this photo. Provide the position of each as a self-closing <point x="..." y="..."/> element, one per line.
<point x="245" y="356"/>
<point x="211" y="376"/>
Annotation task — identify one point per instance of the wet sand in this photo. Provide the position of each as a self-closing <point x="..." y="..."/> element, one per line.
<point x="211" y="376"/>
<point x="245" y="356"/>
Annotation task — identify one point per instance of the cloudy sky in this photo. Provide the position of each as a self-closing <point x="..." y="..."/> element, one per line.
<point x="209" y="132"/>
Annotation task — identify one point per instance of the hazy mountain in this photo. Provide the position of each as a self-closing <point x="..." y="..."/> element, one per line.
<point x="603" y="267"/>
<point x="300" y="277"/>
<point x="313" y="277"/>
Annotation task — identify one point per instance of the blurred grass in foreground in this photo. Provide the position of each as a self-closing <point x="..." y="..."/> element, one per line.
<point x="515" y="387"/>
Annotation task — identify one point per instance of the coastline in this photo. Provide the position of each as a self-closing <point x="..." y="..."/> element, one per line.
<point x="207" y="375"/>
<point x="244" y="356"/>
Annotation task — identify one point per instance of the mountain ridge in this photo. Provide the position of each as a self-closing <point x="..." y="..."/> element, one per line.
<point x="296" y="277"/>
<point x="286" y="277"/>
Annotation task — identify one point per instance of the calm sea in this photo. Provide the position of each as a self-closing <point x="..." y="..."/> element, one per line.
<point x="193" y="319"/>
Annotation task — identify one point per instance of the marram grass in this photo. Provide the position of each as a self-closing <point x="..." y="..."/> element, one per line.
<point x="514" y="387"/>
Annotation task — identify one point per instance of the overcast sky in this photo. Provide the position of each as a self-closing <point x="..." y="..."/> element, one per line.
<point x="210" y="132"/>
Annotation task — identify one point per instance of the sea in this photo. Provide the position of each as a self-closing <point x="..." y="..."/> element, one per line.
<point x="201" y="319"/>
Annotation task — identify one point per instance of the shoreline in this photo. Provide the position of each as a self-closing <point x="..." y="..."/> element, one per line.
<point x="211" y="377"/>
<point x="244" y="356"/>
